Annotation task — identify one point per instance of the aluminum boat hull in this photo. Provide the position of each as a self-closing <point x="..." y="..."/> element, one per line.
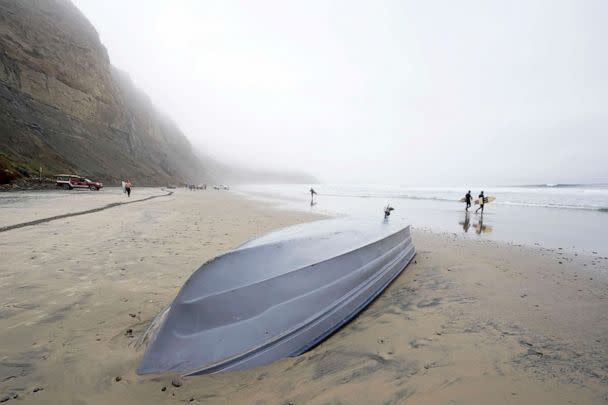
<point x="276" y="296"/>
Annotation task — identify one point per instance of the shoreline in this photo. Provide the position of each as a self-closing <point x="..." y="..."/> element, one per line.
<point x="466" y="322"/>
<point x="582" y="230"/>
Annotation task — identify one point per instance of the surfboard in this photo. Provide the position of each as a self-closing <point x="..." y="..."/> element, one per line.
<point x="486" y="200"/>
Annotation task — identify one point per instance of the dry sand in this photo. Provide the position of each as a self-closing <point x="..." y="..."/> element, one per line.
<point x="467" y="322"/>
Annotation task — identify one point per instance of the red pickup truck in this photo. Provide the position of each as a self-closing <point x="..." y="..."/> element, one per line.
<point x="71" y="181"/>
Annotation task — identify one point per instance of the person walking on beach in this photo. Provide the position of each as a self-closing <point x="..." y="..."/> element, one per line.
<point x="122" y="186"/>
<point x="312" y="195"/>
<point x="128" y="188"/>
<point x="467" y="198"/>
<point x="481" y="203"/>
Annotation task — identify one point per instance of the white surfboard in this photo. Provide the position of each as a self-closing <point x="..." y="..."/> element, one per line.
<point x="486" y="200"/>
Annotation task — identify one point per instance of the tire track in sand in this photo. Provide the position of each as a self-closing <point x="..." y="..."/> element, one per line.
<point x="74" y="214"/>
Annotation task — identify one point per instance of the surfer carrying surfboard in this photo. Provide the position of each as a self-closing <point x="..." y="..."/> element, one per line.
<point x="481" y="203"/>
<point x="468" y="198"/>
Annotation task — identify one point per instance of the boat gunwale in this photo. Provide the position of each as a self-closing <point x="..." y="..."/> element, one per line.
<point x="299" y="268"/>
<point x="306" y="268"/>
<point x="226" y="363"/>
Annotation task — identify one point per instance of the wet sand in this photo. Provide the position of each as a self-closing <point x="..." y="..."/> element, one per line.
<point x="467" y="322"/>
<point x="550" y="226"/>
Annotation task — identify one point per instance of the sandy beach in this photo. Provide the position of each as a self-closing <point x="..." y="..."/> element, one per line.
<point x="469" y="321"/>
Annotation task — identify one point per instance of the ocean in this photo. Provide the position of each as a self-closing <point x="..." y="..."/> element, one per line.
<point x="567" y="216"/>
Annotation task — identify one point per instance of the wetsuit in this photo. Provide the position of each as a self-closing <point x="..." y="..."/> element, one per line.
<point x="481" y="203"/>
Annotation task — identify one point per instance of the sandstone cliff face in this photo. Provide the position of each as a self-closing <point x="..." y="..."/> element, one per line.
<point x="65" y="108"/>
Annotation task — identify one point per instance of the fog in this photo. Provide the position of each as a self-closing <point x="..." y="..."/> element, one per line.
<point x="404" y="92"/>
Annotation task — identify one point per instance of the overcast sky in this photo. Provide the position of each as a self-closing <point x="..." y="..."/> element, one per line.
<point x="405" y="92"/>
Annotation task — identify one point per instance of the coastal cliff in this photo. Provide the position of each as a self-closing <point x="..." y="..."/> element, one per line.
<point x="65" y="108"/>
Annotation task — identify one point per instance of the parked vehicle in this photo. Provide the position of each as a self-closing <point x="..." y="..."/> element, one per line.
<point x="71" y="181"/>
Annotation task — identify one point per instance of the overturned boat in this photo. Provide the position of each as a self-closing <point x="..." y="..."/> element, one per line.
<point x="276" y="296"/>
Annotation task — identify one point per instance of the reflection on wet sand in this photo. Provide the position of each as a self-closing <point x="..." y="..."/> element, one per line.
<point x="466" y="224"/>
<point x="479" y="226"/>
